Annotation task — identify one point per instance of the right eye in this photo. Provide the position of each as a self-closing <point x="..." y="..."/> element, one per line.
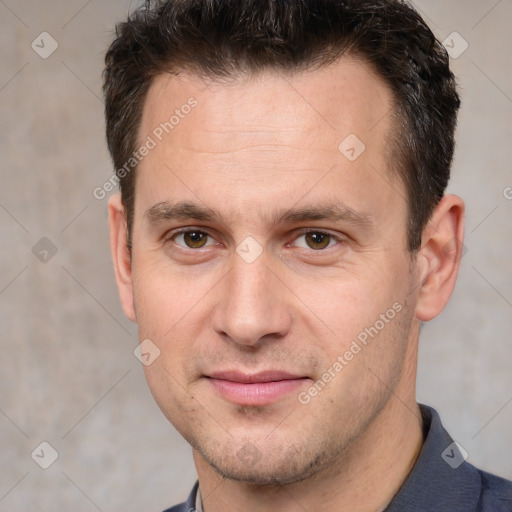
<point x="191" y="239"/>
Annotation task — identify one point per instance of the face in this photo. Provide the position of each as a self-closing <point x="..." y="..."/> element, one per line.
<point x="270" y="267"/>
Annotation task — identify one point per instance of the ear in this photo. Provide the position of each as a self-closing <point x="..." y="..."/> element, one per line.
<point x="121" y="255"/>
<point x="439" y="257"/>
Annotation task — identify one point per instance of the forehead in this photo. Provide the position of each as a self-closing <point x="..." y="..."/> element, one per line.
<point x="347" y="96"/>
<point x="270" y="131"/>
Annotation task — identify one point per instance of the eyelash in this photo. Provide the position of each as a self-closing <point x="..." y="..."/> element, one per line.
<point x="172" y="235"/>
<point x="332" y="236"/>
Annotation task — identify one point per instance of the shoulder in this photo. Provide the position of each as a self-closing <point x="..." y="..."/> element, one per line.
<point x="182" y="507"/>
<point x="496" y="493"/>
<point x="187" y="506"/>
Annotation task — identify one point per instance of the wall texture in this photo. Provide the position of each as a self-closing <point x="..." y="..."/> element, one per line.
<point x="68" y="375"/>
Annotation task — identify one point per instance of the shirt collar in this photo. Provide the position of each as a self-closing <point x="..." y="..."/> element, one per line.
<point x="199" y="501"/>
<point x="441" y="479"/>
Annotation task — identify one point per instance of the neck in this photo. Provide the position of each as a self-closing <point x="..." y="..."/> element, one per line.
<point x="365" y="478"/>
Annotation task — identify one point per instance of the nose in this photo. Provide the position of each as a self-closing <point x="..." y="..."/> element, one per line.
<point x="252" y="306"/>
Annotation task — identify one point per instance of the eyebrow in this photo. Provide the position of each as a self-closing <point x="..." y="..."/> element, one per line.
<point x="333" y="212"/>
<point x="166" y="211"/>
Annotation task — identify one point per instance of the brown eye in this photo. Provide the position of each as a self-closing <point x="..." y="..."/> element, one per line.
<point x="316" y="240"/>
<point x="192" y="239"/>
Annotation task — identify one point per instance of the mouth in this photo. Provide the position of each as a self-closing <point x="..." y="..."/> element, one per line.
<point x="263" y="388"/>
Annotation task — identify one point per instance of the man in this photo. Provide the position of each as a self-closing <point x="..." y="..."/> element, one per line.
<point x="281" y="233"/>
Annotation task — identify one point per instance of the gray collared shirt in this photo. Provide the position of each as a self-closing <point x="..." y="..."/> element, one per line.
<point x="441" y="480"/>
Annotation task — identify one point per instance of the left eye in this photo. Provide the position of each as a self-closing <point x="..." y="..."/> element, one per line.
<point x="193" y="239"/>
<point x="316" y="240"/>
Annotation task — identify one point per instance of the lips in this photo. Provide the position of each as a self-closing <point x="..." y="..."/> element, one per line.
<point x="258" y="389"/>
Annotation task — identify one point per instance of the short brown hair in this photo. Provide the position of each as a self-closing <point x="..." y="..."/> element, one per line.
<point x="217" y="38"/>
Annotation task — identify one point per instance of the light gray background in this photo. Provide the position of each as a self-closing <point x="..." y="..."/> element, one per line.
<point x="68" y="374"/>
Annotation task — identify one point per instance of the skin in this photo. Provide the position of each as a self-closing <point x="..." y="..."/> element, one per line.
<point x="252" y="149"/>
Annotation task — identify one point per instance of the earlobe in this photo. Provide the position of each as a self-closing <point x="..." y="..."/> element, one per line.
<point x="121" y="255"/>
<point x="439" y="257"/>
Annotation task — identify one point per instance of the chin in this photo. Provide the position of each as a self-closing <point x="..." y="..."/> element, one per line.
<point x="275" y="468"/>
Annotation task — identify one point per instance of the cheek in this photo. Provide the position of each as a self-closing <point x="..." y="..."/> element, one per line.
<point x="162" y="299"/>
<point x="170" y="312"/>
<point x="363" y="316"/>
<point x="169" y="391"/>
<point x="346" y="307"/>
